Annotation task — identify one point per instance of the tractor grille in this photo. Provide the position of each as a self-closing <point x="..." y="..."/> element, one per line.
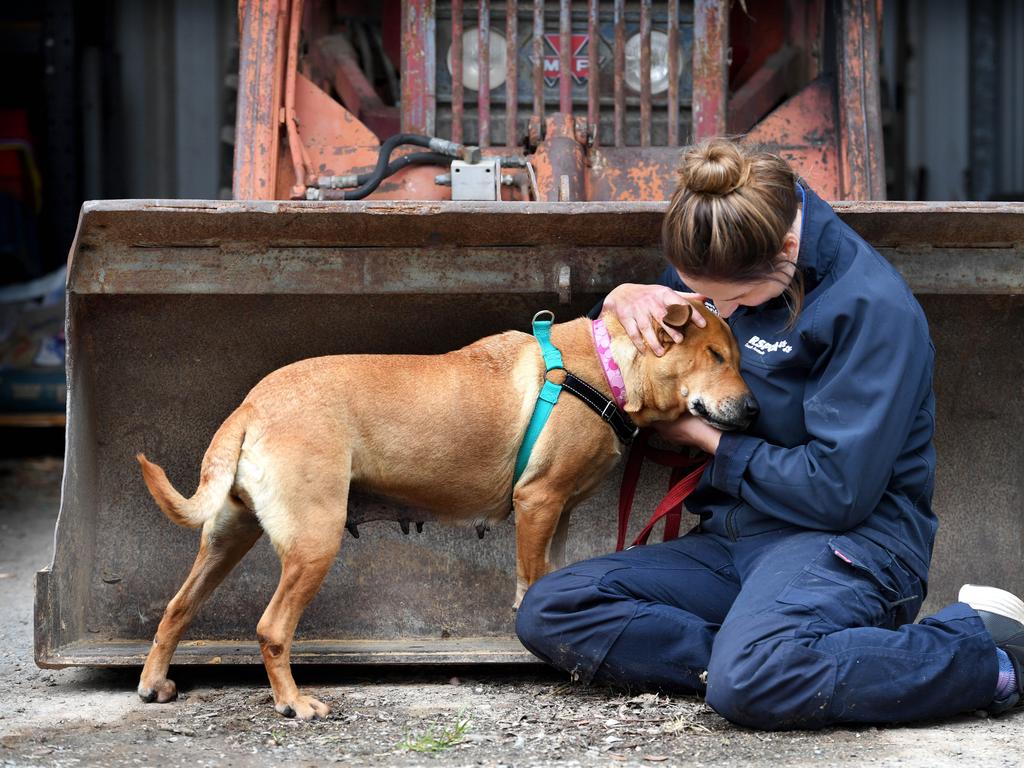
<point x="625" y="66"/>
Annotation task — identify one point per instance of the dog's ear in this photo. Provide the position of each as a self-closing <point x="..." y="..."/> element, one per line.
<point x="676" y="316"/>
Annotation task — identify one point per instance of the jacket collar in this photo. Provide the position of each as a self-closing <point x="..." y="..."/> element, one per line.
<point x="819" y="237"/>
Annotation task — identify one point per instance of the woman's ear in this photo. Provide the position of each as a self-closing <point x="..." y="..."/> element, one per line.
<point x="791" y="247"/>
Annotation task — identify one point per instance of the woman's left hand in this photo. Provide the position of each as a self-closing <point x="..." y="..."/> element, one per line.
<point x="689" y="430"/>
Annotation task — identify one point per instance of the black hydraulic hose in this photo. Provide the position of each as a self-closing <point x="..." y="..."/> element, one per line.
<point x="379" y="173"/>
<point x="361" y="181"/>
<point x="414" y="158"/>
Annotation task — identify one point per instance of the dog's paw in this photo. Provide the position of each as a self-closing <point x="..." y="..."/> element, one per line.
<point x="304" y="708"/>
<point x="520" y="594"/>
<point x="161" y="692"/>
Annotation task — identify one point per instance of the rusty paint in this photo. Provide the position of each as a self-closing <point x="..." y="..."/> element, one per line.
<point x="483" y="96"/>
<point x="673" y="73"/>
<point x="593" y="72"/>
<point x="362" y="268"/>
<point x="632" y="173"/>
<point x="803" y="131"/>
<point x="259" y="87"/>
<point x="645" y="73"/>
<point x="619" y="19"/>
<point x="511" y="72"/>
<point x="418" y="66"/>
<point x="107" y="253"/>
<point x="564" y="58"/>
<point x="338" y="144"/>
<point x="560" y="160"/>
<point x="299" y="166"/>
<point x="710" y="70"/>
<point x="335" y="140"/>
<point x="538" y="70"/>
<point x="458" y="89"/>
<point x="860" y="127"/>
<point x="803" y="128"/>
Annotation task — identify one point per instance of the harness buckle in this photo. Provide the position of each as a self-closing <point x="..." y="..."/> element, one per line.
<point x="604" y="413"/>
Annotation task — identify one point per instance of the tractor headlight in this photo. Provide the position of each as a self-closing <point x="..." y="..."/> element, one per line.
<point x="471" y="59"/>
<point x="659" y="62"/>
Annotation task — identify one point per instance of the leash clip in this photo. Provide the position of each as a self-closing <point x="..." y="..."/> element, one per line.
<point x="550" y="316"/>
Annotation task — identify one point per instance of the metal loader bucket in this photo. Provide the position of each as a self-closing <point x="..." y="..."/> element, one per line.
<point x="176" y="308"/>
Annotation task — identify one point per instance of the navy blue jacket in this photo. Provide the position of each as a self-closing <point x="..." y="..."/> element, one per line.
<point x="844" y="438"/>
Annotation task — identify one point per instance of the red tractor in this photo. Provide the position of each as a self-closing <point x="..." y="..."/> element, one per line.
<point x="566" y="101"/>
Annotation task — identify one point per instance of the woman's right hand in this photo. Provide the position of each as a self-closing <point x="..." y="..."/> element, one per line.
<point x="638" y="307"/>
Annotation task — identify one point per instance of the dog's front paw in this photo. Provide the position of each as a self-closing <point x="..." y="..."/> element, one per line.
<point x="304" y="708"/>
<point x="520" y="594"/>
<point x="161" y="692"/>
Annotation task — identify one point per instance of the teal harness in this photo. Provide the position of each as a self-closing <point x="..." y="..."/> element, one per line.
<point x="548" y="393"/>
<point x="620" y="423"/>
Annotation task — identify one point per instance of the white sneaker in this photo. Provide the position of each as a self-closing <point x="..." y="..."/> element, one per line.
<point x="993" y="600"/>
<point x="1002" y="613"/>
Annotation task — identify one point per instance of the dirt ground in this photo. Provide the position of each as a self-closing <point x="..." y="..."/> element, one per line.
<point x="397" y="717"/>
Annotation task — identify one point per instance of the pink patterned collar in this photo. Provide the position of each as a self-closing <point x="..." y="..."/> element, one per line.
<point x="603" y="342"/>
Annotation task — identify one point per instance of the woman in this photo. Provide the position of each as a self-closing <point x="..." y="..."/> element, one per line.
<point x="789" y="604"/>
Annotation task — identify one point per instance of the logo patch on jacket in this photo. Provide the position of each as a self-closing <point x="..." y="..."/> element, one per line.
<point x="762" y="347"/>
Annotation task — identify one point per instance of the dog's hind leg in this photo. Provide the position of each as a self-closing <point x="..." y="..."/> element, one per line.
<point x="304" y="564"/>
<point x="226" y="537"/>
<point x="303" y="507"/>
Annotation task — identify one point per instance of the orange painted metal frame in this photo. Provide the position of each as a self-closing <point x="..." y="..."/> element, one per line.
<point x="830" y="128"/>
<point x="261" y="65"/>
<point x="710" y="67"/>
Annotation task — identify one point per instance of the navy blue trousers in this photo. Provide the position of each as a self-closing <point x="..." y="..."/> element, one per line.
<point x="787" y="629"/>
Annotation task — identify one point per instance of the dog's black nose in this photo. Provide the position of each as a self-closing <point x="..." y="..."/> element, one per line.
<point x="749" y="407"/>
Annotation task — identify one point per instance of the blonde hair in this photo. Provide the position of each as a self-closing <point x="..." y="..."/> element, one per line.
<point x="730" y="214"/>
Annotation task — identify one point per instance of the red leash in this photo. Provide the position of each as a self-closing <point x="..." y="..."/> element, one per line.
<point x="681" y="485"/>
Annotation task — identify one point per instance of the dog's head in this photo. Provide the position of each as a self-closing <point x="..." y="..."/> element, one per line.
<point x="699" y="375"/>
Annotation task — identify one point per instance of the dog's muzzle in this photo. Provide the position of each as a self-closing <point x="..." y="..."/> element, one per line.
<point x="735" y="414"/>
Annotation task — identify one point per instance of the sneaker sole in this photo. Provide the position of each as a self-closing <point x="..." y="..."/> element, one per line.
<point x="993" y="600"/>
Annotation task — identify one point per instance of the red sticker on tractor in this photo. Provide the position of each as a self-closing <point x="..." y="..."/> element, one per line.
<point x="578" y="64"/>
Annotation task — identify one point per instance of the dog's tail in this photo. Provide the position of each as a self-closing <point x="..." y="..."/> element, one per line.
<point x="215" y="480"/>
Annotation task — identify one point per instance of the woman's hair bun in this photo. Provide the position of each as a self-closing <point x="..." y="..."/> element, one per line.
<point x="714" y="167"/>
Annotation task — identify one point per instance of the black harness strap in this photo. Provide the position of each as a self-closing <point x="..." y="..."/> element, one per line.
<point x="623" y="426"/>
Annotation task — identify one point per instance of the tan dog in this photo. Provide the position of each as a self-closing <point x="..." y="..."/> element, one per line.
<point x="438" y="433"/>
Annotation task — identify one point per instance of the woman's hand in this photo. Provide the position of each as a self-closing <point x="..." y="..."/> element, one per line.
<point x="638" y="307"/>
<point x="690" y="430"/>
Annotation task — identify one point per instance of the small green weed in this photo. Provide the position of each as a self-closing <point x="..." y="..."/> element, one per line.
<point x="275" y="736"/>
<point x="437" y="739"/>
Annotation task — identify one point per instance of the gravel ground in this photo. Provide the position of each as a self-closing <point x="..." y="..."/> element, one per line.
<point x="481" y="716"/>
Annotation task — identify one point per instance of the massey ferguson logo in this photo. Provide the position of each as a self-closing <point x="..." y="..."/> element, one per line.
<point x="579" y="65"/>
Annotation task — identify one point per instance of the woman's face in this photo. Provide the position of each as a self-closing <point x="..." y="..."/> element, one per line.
<point x="728" y="296"/>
